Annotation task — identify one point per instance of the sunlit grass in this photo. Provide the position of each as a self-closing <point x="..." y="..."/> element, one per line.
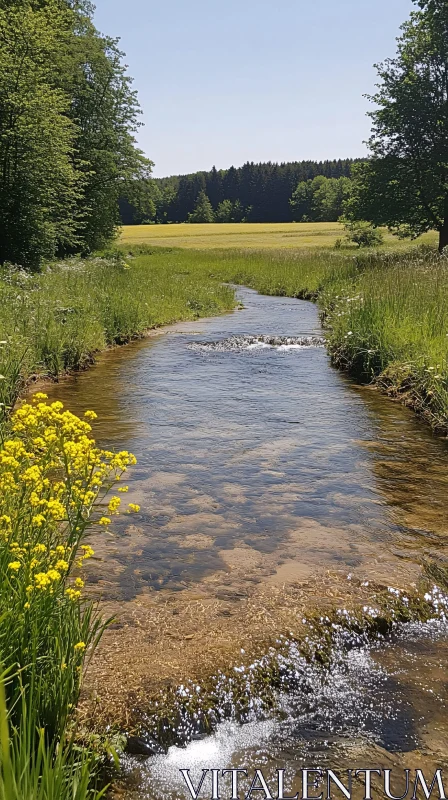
<point x="282" y="235"/>
<point x="57" y="321"/>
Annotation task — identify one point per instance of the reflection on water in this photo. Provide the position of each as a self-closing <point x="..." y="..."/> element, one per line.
<point x="262" y="456"/>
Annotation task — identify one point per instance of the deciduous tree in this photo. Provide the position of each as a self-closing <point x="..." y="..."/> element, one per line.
<point x="404" y="184"/>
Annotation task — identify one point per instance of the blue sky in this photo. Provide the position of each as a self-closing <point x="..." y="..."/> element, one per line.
<point x="221" y="83"/>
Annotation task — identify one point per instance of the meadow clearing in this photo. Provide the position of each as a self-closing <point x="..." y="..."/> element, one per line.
<point x="258" y="236"/>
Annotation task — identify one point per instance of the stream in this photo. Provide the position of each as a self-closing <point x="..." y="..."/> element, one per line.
<point x="260" y="467"/>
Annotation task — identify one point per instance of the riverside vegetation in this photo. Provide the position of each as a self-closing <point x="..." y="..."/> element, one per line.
<point x="385" y="311"/>
<point x="52" y="477"/>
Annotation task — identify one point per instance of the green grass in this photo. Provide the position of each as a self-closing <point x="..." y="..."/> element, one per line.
<point x="56" y="321"/>
<point x="31" y="770"/>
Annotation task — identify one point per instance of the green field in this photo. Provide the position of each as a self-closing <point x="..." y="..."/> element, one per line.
<point x="245" y="235"/>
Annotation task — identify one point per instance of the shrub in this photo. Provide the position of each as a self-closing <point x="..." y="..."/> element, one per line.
<point x="362" y="233"/>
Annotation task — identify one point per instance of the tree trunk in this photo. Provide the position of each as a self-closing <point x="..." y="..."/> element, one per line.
<point x="443" y="235"/>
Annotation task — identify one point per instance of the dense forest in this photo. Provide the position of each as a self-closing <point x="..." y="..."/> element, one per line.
<point x="253" y="192"/>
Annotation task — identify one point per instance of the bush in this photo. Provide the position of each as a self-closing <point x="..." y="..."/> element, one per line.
<point x="362" y="233"/>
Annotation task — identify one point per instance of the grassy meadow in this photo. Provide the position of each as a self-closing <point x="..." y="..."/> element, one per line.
<point x="245" y="235"/>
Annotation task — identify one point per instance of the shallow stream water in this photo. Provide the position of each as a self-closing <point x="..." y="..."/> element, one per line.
<point x="259" y="463"/>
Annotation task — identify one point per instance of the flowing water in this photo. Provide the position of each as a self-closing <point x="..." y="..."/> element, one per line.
<point x="260" y="465"/>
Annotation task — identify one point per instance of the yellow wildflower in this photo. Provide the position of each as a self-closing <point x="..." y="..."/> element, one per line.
<point x="134" y="507"/>
<point x="61" y="565"/>
<point x="38" y="520"/>
<point x="40" y="396"/>
<point x="80" y="646"/>
<point x="79" y="583"/>
<point x="90" y="415"/>
<point x="40" y="548"/>
<point x="114" y="505"/>
<point x="14" y="565"/>
<point x="56" y="509"/>
<point x="104" y="521"/>
<point x="73" y="594"/>
<point x="123" y="489"/>
<point x="42" y="580"/>
<point x="27" y="606"/>
<point x="54" y="575"/>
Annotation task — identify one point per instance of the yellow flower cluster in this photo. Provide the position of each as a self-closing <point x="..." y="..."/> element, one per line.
<point x="52" y="474"/>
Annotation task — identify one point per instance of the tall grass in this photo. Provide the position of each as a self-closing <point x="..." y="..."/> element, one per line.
<point x="56" y="321"/>
<point x="33" y="769"/>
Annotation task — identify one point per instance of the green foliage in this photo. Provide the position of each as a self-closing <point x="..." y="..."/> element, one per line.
<point x="41" y="771"/>
<point x="404" y="184"/>
<point x="321" y="199"/>
<point x="362" y="233"/>
<point x="39" y="188"/>
<point x="68" y="117"/>
<point x="105" y="110"/>
<point x="262" y="190"/>
<point x="231" y="212"/>
<point x="203" y="211"/>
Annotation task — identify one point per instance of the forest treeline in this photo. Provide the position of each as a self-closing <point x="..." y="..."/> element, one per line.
<point x="68" y="117"/>
<point x="254" y="193"/>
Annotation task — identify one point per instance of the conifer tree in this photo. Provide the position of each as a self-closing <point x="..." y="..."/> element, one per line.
<point x="203" y="211"/>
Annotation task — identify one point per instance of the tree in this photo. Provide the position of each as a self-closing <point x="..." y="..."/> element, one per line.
<point x="39" y="186"/>
<point x="321" y="199"/>
<point x="329" y="198"/>
<point x="68" y="117"/>
<point x="301" y="201"/>
<point x="224" y="212"/>
<point x="203" y="211"/>
<point x="105" y="111"/>
<point x="404" y="183"/>
<point x="231" y="212"/>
